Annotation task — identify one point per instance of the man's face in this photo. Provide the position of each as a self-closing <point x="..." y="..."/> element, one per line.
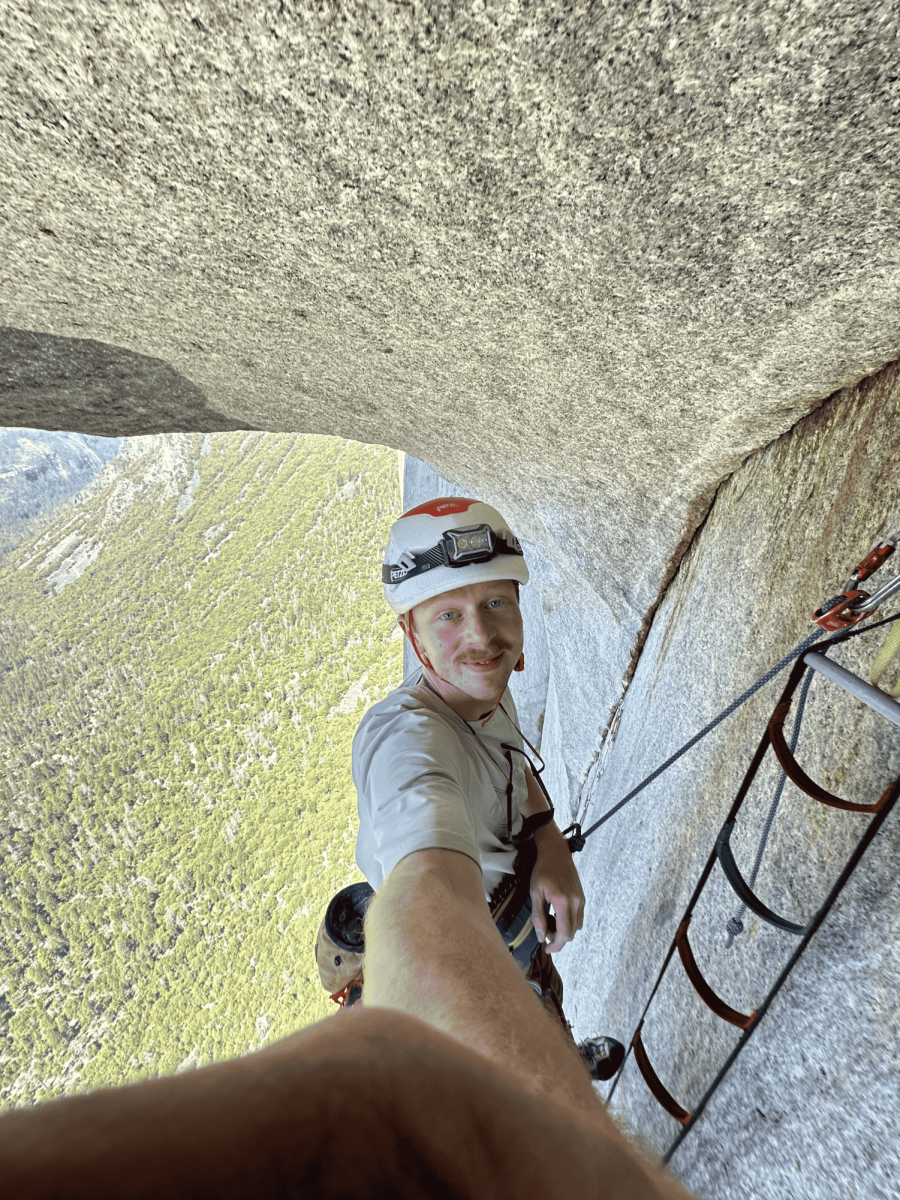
<point x="459" y="630"/>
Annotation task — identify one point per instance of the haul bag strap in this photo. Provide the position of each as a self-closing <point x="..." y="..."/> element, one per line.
<point x="737" y="881"/>
<point x="702" y="988"/>
<point x="653" y="1081"/>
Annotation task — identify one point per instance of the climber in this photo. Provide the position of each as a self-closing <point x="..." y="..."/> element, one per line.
<point x="449" y="813"/>
<point x="449" y="1078"/>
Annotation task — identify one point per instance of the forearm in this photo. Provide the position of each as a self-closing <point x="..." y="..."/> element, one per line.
<point x="438" y="957"/>
<point x="462" y="980"/>
<point x="428" y="1118"/>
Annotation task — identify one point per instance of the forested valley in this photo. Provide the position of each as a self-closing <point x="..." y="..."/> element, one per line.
<point x="186" y="649"/>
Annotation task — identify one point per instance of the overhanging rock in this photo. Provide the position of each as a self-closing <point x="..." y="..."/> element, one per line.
<point x="583" y="266"/>
<point x="588" y="260"/>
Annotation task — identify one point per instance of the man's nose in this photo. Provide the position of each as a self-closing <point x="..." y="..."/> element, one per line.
<point x="478" y="629"/>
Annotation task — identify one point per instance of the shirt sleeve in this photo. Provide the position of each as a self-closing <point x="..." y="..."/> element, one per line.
<point x="413" y="789"/>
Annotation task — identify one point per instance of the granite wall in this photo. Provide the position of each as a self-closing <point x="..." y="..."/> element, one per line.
<point x="808" y="1109"/>
<point x="627" y="272"/>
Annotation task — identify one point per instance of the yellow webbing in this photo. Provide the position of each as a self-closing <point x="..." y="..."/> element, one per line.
<point x="885" y="656"/>
<point x="520" y="938"/>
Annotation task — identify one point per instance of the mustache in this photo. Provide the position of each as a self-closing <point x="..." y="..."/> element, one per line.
<point x="485" y="657"/>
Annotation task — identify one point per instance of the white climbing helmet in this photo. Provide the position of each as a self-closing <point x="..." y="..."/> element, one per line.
<point x="444" y="544"/>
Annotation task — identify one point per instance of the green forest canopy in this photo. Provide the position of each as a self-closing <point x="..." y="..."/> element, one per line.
<point x="175" y="729"/>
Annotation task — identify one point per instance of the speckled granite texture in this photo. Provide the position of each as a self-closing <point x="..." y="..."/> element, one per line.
<point x="808" y="1111"/>
<point x="590" y="256"/>
<point x="585" y="262"/>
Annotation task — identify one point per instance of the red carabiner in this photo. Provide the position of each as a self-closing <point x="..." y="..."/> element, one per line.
<point x="871" y="563"/>
<point x="836" y="614"/>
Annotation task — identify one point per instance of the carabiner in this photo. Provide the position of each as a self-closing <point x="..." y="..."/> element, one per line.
<point x="837" y="613"/>
<point x="840" y="612"/>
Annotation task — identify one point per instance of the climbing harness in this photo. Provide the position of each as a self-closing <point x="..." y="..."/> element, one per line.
<point x="837" y="616"/>
<point x="340" y="944"/>
<point x="510" y="901"/>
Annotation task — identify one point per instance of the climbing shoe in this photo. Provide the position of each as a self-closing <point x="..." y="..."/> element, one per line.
<point x="602" y="1055"/>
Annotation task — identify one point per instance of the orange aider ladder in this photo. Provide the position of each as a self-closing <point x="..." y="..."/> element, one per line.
<point x="774" y="736"/>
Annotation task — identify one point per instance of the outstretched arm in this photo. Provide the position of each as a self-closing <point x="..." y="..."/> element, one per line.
<point x="376" y="1103"/>
<point x="433" y="952"/>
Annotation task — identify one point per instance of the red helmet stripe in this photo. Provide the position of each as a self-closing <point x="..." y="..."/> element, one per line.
<point x="441" y="506"/>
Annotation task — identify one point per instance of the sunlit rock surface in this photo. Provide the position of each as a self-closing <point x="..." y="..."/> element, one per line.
<point x="588" y="261"/>
<point x="808" y="1108"/>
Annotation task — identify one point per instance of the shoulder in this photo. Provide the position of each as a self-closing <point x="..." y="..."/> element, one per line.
<point x="407" y="713"/>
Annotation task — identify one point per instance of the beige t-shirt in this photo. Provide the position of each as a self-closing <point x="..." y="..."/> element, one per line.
<point x="424" y="781"/>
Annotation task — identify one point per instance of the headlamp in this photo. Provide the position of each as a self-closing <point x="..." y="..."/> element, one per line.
<point x="457" y="548"/>
<point x="473" y="543"/>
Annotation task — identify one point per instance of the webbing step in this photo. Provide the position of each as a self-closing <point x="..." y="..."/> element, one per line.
<point x="653" y="1081"/>
<point x="742" y="888"/>
<point x="701" y="987"/>
<point x="783" y="753"/>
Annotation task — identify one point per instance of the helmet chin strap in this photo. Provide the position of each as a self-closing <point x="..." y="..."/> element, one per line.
<point x="408" y="630"/>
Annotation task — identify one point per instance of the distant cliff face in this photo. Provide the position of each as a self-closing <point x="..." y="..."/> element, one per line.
<point x="40" y="469"/>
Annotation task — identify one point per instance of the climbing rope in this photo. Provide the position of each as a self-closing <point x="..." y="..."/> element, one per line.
<point x="773" y="737"/>
<point x="747" y="1023"/>
<point x="807" y="642"/>
<point x="837" y="615"/>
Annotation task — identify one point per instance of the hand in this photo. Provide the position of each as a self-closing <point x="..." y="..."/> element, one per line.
<point x="555" y="881"/>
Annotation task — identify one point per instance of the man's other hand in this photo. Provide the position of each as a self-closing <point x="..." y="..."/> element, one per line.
<point x="555" y="881"/>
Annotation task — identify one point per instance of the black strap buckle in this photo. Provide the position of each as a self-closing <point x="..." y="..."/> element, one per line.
<point x="577" y="840"/>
